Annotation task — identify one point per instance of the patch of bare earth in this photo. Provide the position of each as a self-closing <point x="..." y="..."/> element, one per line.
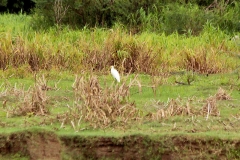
<point x="36" y="146"/>
<point x="143" y="147"/>
<point x="48" y="146"/>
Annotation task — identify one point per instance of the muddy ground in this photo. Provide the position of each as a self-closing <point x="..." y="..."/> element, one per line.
<point x="45" y="145"/>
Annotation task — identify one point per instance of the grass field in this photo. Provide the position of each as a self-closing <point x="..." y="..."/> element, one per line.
<point x="60" y="99"/>
<point x="60" y="80"/>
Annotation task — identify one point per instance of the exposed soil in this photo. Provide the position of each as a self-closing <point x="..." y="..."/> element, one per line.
<point x="35" y="145"/>
<point x="48" y="146"/>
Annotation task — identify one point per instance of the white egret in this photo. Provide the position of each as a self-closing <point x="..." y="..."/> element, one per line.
<point x="115" y="73"/>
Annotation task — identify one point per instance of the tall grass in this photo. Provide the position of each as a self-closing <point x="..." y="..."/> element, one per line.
<point x="98" y="48"/>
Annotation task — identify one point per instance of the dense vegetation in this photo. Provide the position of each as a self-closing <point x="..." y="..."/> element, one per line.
<point x="167" y="16"/>
<point x="137" y="16"/>
<point x="96" y="49"/>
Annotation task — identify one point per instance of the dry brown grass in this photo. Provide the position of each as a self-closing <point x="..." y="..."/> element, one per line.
<point x="97" y="49"/>
<point x="123" y="51"/>
<point x="174" y="107"/>
<point x="32" y="101"/>
<point x="101" y="107"/>
<point x="17" y="53"/>
<point x="222" y="94"/>
<point x="203" y="60"/>
<point x="210" y="107"/>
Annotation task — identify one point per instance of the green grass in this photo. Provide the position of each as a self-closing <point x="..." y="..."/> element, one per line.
<point x="15" y="157"/>
<point x="225" y="126"/>
<point x="66" y="52"/>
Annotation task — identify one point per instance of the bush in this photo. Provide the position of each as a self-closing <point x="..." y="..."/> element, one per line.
<point x="229" y="18"/>
<point x="183" y="19"/>
<point x="91" y="13"/>
<point x="138" y="16"/>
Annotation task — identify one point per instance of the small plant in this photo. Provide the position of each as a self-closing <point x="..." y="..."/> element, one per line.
<point x="187" y="79"/>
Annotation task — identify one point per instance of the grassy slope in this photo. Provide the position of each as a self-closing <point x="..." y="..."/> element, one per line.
<point x="225" y="126"/>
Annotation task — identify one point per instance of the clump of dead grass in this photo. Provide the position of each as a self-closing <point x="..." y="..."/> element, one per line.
<point x="210" y="107"/>
<point x="222" y="94"/>
<point x="32" y="101"/>
<point x="101" y="107"/>
<point x="175" y="107"/>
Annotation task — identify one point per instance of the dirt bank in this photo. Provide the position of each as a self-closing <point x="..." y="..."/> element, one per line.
<point x="47" y="145"/>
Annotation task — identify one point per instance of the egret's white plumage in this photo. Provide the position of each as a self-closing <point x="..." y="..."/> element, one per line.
<point x="115" y="74"/>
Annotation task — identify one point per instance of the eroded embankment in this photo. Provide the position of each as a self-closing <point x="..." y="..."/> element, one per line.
<point x="47" y="145"/>
<point x="32" y="144"/>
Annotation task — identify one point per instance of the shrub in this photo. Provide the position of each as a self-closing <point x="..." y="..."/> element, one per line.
<point x="138" y="16"/>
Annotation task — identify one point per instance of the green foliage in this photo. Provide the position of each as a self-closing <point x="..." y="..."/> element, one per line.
<point x="229" y="19"/>
<point x="155" y="16"/>
<point x="3" y="2"/>
<point x="183" y="19"/>
<point x="92" y="12"/>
